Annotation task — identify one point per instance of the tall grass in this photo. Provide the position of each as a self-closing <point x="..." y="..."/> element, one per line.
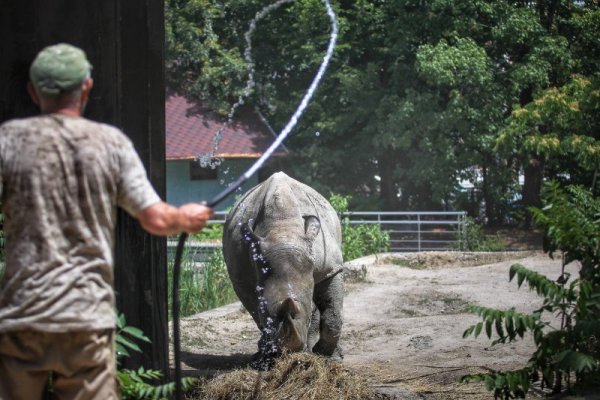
<point x="202" y="286"/>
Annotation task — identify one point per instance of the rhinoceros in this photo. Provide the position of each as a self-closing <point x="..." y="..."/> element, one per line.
<point x="282" y="246"/>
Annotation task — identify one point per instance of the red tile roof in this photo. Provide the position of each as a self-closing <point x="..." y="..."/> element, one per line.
<point x="191" y="129"/>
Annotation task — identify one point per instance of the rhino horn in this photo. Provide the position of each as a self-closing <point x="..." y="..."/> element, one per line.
<point x="290" y="307"/>
<point x="290" y="332"/>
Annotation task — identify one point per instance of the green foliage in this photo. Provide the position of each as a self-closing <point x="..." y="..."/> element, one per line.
<point x="339" y="203"/>
<point x="474" y="238"/>
<point x="560" y="126"/>
<point x="507" y="324"/>
<point x="197" y="62"/>
<point x="417" y="93"/>
<point x="459" y="65"/>
<point x="126" y="337"/>
<point x="141" y="383"/>
<point x="202" y="287"/>
<point x="571" y="222"/>
<point x="571" y="349"/>
<point x="505" y="385"/>
<point x="138" y="384"/>
<point x="358" y="240"/>
<point x="362" y="240"/>
<point x="210" y="232"/>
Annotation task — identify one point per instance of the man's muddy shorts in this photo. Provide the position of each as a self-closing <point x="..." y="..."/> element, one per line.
<point x="82" y="365"/>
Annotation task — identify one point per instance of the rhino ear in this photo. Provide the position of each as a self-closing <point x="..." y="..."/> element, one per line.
<point x="312" y="226"/>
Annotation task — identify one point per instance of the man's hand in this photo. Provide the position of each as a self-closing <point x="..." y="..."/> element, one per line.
<point x="194" y="217"/>
<point x="163" y="219"/>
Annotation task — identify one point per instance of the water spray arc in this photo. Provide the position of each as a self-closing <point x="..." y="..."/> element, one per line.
<point x="208" y="160"/>
<point x="259" y="163"/>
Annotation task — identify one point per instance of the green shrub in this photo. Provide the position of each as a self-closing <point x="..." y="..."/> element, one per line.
<point x="358" y="240"/>
<point x="362" y="240"/>
<point x="213" y="231"/>
<point x="141" y="383"/>
<point x="571" y="221"/>
<point x="474" y="238"/>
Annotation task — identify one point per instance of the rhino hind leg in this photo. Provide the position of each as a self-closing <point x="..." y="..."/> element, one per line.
<point x="328" y="297"/>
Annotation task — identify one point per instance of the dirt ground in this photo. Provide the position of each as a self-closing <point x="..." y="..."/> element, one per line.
<point x="403" y="323"/>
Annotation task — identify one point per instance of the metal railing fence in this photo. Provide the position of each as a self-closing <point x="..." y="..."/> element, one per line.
<point x="416" y="230"/>
<point x="408" y="230"/>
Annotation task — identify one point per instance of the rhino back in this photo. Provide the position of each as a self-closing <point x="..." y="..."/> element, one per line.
<point x="327" y="247"/>
<point x="310" y="202"/>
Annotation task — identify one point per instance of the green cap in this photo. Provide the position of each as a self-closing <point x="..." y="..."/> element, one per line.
<point x="58" y="69"/>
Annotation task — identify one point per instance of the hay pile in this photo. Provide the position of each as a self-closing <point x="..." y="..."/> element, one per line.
<point x="297" y="376"/>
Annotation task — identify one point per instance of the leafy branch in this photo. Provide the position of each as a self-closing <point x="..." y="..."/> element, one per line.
<point x="141" y="383"/>
<point x="507" y="324"/>
<point x="135" y="385"/>
<point x="571" y="219"/>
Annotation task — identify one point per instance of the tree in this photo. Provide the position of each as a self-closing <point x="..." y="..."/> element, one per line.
<point x="560" y="128"/>
<point x="566" y="348"/>
<point x="200" y="59"/>
<point x="415" y="98"/>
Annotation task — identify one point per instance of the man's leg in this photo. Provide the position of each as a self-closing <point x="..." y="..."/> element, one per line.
<point x="88" y="369"/>
<point x="23" y="374"/>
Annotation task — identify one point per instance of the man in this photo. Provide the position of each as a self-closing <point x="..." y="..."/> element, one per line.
<point x="62" y="177"/>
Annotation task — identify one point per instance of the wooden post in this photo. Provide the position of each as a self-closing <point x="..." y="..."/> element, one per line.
<point x="124" y="40"/>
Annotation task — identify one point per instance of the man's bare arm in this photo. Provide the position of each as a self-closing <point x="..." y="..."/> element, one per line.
<point x="163" y="219"/>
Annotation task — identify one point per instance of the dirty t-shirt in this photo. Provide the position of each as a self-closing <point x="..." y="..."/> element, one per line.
<point x="61" y="181"/>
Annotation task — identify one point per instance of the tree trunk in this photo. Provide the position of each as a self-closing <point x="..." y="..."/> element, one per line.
<point x="532" y="187"/>
<point x="388" y="192"/>
<point x="488" y="197"/>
